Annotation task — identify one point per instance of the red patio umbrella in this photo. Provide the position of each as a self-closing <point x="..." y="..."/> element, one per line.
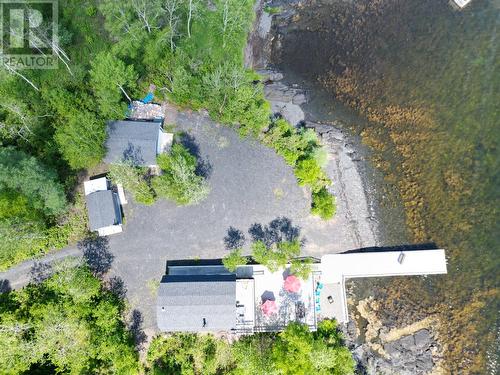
<point x="292" y="284"/>
<point x="269" y="307"/>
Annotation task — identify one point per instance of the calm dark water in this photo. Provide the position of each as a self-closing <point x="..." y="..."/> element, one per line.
<point x="422" y="57"/>
<point x="321" y="107"/>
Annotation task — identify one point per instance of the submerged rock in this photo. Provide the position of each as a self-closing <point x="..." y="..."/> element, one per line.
<point x="270" y="75"/>
<point x="408" y="342"/>
<point x="422" y="338"/>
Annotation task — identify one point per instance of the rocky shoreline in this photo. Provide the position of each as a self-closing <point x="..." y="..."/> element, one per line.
<point x="377" y="350"/>
<point x="354" y="209"/>
<point x="409" y="350"/>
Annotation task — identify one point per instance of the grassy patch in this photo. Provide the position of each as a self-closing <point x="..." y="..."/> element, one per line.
<point x="272" y="10"/>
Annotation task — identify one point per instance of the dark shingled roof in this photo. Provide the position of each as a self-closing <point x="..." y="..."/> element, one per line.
<point x="103" y="208"/>
<point x="184" y="301"/>
<point x="133" y="141"/>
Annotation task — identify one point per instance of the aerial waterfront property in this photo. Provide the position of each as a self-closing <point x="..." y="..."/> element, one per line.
<point x="196" y="296"/>
<point x="284" y="149"/>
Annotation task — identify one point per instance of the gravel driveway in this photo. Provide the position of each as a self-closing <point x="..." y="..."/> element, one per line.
<point x="249" y="184"/>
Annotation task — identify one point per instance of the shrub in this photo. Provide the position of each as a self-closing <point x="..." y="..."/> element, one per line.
<point x="132" y="179"/>
<point x="323" y="204"/>
<point x="301" y="268"/>
<point x="289" y="249"/>
<point x="286" y="141"/>
<point x="248" y="109"/>
<point x="292" y="143"/>
<point x="178" y="180"/>
<point x="71" y="227"/>
<point x="308" y="172"/>
<point x="234" y="259"/>
<point x="295" y="351"/>
<point x="189" y="354"/>
<point x="301" y="149"/>
<point x="260" y="252"/>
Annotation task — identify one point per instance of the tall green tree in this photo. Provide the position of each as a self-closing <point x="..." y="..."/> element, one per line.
<point x="38" y="183"/>
<point x="295" y="351"/>
<point x="275" y="256"/>
<point x="234" y="259"/>
<point x="291" y="352"/>
<point x="110" y="80"/>
<point x="80" y="138"/>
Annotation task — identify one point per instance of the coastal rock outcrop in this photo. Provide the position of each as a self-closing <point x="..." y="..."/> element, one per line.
<point x="285" y="100"/>
<point x="408" y="350"/>
<point x="402" y="356"/>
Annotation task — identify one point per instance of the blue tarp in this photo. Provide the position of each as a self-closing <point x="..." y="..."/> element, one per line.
<point x="148" y="98"/>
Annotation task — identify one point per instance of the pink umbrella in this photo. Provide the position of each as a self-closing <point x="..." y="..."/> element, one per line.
<point x="292" y="284"/>
<point x="269" y="307"/>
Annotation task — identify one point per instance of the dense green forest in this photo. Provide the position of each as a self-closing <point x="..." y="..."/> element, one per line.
<point x="53" y="121"/>
<point x="68" y="323"/>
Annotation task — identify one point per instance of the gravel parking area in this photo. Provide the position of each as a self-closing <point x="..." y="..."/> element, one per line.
<point x="249" y="184"/>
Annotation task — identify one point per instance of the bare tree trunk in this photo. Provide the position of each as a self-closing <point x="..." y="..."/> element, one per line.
<point x="147" y="12"/>
<point x="41" y="40"/>
<point x="190" y="15"/>
<point x="171" y="7"/>
<point x="225" y="22"/>
<point x="123" y="90"/>
<point x="25" y="119"/>
<point x="11" y="70"/>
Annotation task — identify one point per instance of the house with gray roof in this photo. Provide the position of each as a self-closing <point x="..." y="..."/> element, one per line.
<point x="195" y="303"/>
<point x="103" y="207"/>
<point x="136" y="142"/>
